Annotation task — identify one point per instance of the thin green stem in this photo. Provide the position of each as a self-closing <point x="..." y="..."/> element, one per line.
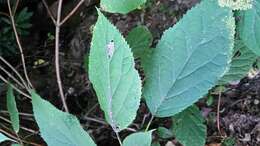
<point x="149" y="124"/>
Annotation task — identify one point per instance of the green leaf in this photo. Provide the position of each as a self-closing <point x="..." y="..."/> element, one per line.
<point x="189" y="59"/>
<point x="146" y="59"/>
<point x="16" y="144"/>
<point x="188" y="127"/>
<point x="113" y="75"/>
<point x="12" y="109"/>
<point x="112" y="72"/>
<point x="3" y="138"/>
<point x="210" y="100"/>
<point x="249" y="28"/>
<point x="58" y="128"/>
<point x="120" y="6"/>
<point x="139" y="139"/>
<point x="241" y="63"/>
<point x="164" y="133"/>
<point x="229" y="141"/>
<point x="139" y="39"/>
<point x="236" y="4"/>
<point x="156" y="144"/>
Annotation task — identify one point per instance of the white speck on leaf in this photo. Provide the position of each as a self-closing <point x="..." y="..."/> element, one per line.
<point x="110" y="49"/>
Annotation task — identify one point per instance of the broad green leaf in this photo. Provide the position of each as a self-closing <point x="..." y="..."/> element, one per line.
<point x="58" y="128"/>
<point x="188" y="127"/>
<point x="156" y="144"/>
<point x="139" y="139"/>
<point x="3" y="138"/>
<point x="16" y="144"/>
<point x="139" y="39"/>
<point x="146" y="59"/>
<point x="249" y="28"/>
<point x="120" y="6"/>
<point x="189" y="59"/>
<point x="113" y="75"/>
<point x="242" y="62"/>
<point x="12" y="109"/>
<point x="164" y="133"/>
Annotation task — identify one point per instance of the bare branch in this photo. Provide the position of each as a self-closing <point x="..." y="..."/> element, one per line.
<point x="12" y="77"/>
<point x="49" y="11"/>
<point x="16" y="6"/>
<point x="18" y="42"/>
<point x="18" y="90"/>
<point x="57" y="64"/>
<point x="15" y="71"/>
<point x="72" y="12"/>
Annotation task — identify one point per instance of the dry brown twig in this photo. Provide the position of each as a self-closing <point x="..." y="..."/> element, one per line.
<point x="49" y="11"/>
<point x="10" y="135"/>
<point x="57" y="64"/>
<point x="12" y="77"/>
<point x="218" y="112"/>
<point x="18" y="90"/>
<point x="58" y="23"/>
<point x="19" y="44"/>
<point x="22" y="127"/>
<point x="15" y="71"/>
<point x="16" y="6"/>
<point x="72" y="12"/>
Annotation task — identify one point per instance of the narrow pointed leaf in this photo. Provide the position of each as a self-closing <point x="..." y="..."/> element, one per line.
<point x="58" y="128"/>
<point x="242" y="61"/>
<point x="113" y="75"/>
<point x="120" y="6"/>
<point x="249" y="27"/>
<point x="188" y="127"/>
<point x="139" y="139"/>
<point x="189" y="59"/>
<point x="12" y="109"/>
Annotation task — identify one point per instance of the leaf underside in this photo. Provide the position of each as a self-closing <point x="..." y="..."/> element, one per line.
<point x="139" y="139"/>
<point x="240" y="64"/>
<point x="249" y="27"/>
<point x="113" y="75"/>
<point x="58" y="128"/>
<point x="120" y="6"/>
<point x="188" y="127"/>
<point x="3" y="138"/>
<point x="189" y="59"/>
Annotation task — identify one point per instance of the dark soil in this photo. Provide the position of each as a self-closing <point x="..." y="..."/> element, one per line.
<point x="239" y="110"/>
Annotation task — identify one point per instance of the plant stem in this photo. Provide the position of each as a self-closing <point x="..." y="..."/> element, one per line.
<point x="72" y="12"/>
<point x="19" y="43"/>
<point x="119" y="139"/>
<point x="15" y="71"/>
<point x="16" y="6"/>
<point x="18" y="90"/>
<point x="218" y="111"/>
<point x="57" y="64"/>
<point x="49" y="11"/>
<point x="149" y="124"/>
<point x="12" y="77"/>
